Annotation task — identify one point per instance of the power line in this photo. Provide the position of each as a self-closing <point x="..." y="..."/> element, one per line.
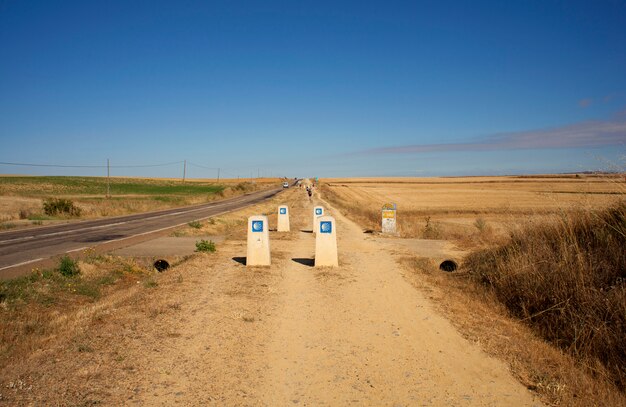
<point x="234" y="172"/>
<point x="53" y="165"/>
<point x="148" y="165"/>
<point x="202" y="166"/>
<point x="89" y="166"/>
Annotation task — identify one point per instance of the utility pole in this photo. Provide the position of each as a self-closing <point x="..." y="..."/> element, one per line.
<point x="108" y="179"/>
<point x="184" y="170"/>
<point x="218" y="175"/>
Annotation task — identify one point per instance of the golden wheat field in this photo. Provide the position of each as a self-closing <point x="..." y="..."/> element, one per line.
<point x="459" y="208"/>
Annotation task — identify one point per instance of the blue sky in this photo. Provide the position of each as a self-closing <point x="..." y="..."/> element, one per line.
<point x="313" y="88"/>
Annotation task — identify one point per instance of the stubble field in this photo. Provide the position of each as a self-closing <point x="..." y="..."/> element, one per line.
<point x="470" y="209"/>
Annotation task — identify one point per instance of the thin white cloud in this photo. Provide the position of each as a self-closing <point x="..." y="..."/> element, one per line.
<point x="581" y="135"/>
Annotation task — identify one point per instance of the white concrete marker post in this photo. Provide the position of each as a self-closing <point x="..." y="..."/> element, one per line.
<point x="283" y="219"/>
<point x="389" y="218"/>
<point x="258" y="241"/>
<point x="317" y="212"/>
<point x="326" y="243"/>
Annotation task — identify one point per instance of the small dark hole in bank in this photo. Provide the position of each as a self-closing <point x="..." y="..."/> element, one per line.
<point x="448" y="265"/>
<point x="369" y="231"/>
<point x="305" y="262"/>
<point x="240" y="260"/>
<point x="161" y="265"/>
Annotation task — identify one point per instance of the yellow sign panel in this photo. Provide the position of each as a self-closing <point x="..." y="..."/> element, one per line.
<point x="389" y="214"/>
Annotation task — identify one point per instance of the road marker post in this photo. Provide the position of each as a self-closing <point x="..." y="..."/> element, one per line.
<point x="317" y="212"/>
<point x="258" y="253"/>
<point x="389" y="218"/>
<point x="326" y="243"/>
<point x="283" y="219"/>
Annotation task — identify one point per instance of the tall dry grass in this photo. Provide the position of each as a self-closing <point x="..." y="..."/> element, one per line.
<point x="567" y="280"/>
<point x="361" y="212"/>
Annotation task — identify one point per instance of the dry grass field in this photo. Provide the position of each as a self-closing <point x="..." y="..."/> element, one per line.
<point x="484" y="195"/>
<point x="470" y="209"/>
<point x="22" y="198"/>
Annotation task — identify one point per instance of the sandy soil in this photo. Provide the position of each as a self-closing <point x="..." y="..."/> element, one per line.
<point x="217" y="333"/>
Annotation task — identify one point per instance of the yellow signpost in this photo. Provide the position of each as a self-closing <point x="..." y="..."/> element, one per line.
<point x="389" y="218"/>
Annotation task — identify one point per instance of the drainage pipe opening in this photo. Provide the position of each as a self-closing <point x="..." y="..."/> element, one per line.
<point x="161" y="265"/>
<point x="448" y="265"/>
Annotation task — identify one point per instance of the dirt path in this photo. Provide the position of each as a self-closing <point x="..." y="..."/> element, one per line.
<point x="216" y="333"/>
<point x="362" y="335"/>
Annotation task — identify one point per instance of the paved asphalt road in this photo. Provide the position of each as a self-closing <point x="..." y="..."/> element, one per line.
<point x="22" y="249"/>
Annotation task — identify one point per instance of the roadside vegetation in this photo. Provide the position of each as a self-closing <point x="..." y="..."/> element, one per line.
<point x="195" y="224"/>
<point x="206" y="246"/>
<point x="60" y="206"/>
<point x="41" y="200"/>
<point x="32" y="307"/>
<point x="567" y="281"/>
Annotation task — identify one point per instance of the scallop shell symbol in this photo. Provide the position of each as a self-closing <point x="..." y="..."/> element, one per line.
<point x="325" y="227"/>
<point x="257" y="226"/>
<point x="283" y="211"/>
<point x="318" y="211"/>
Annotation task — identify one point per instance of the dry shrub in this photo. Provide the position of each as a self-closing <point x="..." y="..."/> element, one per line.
<point x="567" y="280"/>
<point x="431" y="230"/>
<point x="25" y="214"/>
<point x="60" y="206"/>
<point x="244" y="187"/>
